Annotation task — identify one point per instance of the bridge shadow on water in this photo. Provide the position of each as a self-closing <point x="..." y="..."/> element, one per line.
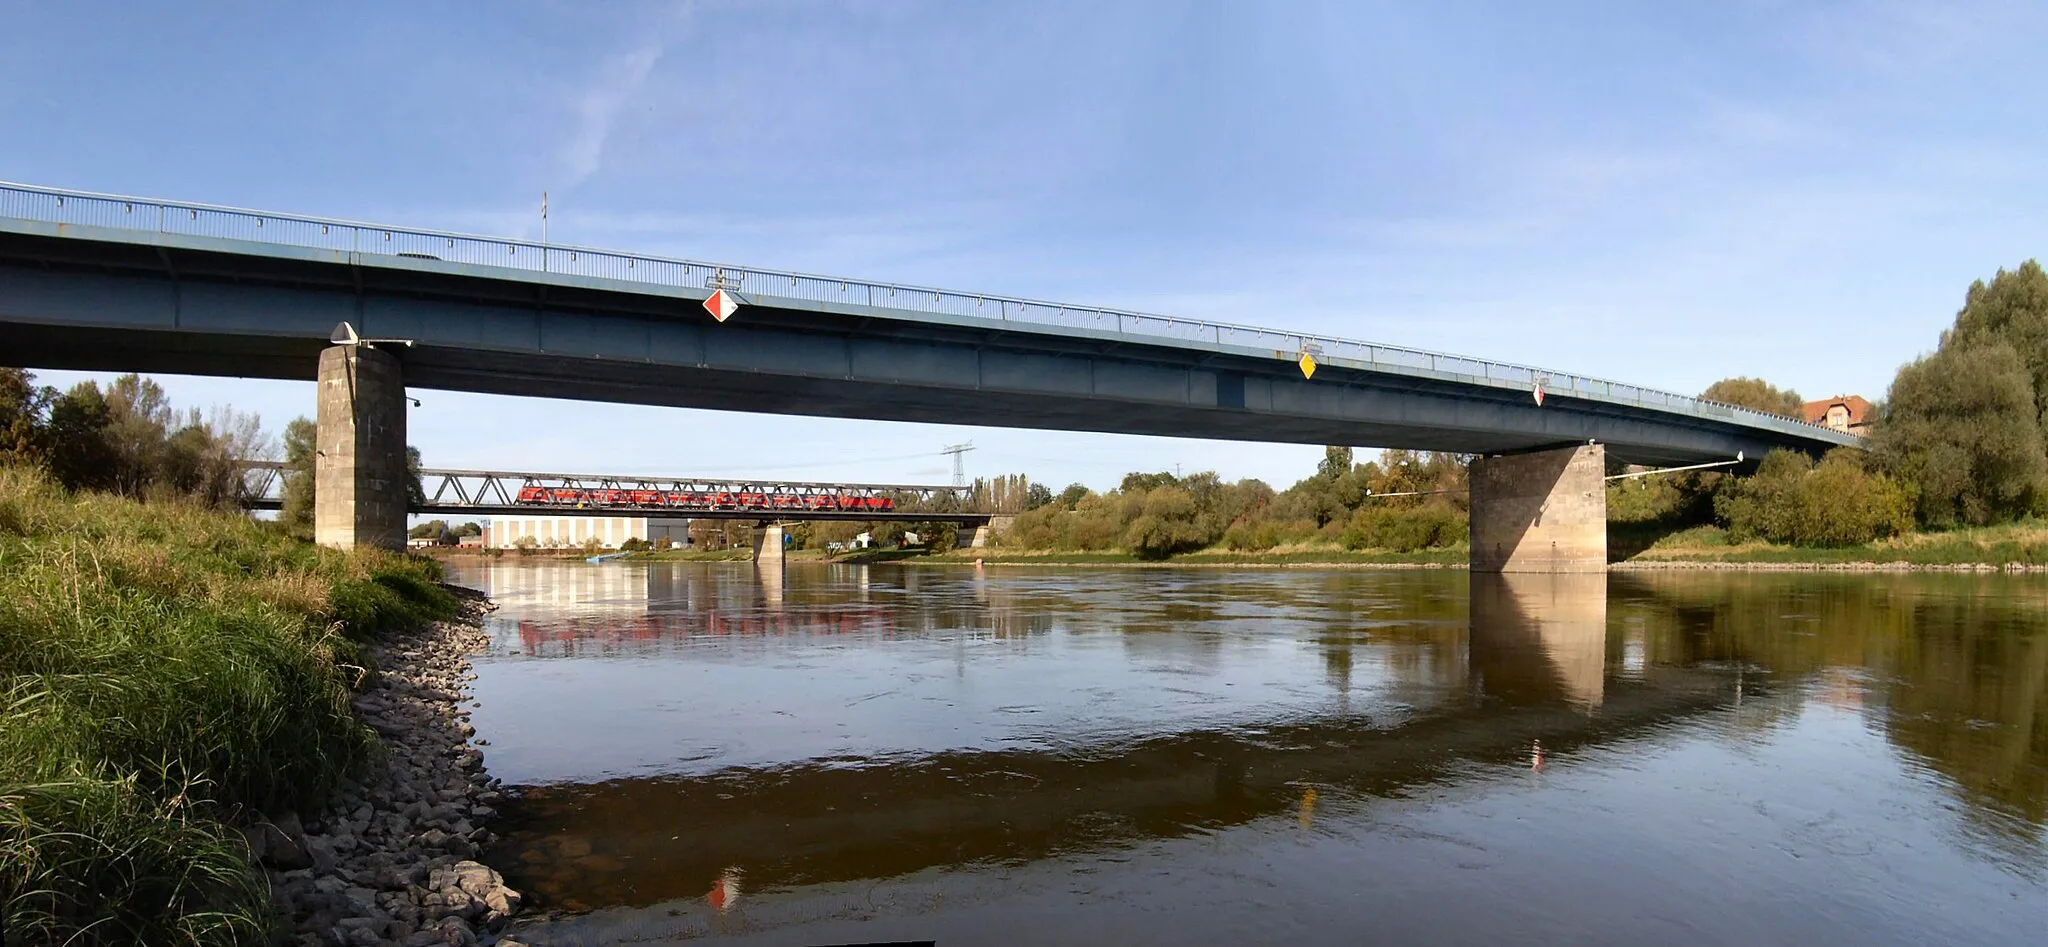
<point x="1439" y="684"/>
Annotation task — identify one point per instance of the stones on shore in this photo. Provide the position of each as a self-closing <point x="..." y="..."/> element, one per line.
<point x="1716" y="565"/>
<point x="392" y="860"/>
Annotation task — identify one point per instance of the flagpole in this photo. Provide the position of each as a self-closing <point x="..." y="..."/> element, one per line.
<point x="543" y="231"/>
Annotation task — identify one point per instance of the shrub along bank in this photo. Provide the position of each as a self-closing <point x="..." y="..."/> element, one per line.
<point x="166" y="671"/>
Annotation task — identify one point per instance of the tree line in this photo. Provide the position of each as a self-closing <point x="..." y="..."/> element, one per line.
<point x="1957" y="440"/>
<point x="126" y="438"/>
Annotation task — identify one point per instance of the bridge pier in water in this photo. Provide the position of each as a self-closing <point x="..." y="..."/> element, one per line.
<point x="768" y="550"/>
<point x="359" y="482"/>
<point x="1543" y="511"/>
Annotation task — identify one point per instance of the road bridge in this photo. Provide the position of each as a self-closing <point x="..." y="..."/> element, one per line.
<point x="102" y="282"/>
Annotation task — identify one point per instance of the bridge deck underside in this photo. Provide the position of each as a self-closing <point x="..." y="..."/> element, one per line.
<point x="86" y="304"/>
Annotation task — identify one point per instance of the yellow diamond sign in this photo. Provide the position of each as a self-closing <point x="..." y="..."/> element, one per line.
<point x="1308" y="365"/>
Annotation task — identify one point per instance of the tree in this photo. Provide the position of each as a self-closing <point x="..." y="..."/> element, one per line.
<point x="431" y="529"/>
<point x="471" y="528"/>
<point x="79" y="455"/>
<point x="1072" y="496"/>
<point x="2012" y="308"/>
<point x="300" y="453"/>
<point x="1037" y="495"/>
<point x="1963" y="428"/>
<point x="24" y="416"/>
<point x="415" y="492"/>
<point x="1336" y="463"/>
<point x="1840" y="502"/>
<point x="1755" y="394"/>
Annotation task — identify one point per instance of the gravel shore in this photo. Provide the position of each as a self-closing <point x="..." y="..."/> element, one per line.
<point x="392" y="859"/>
<point x="1666" y="565"/>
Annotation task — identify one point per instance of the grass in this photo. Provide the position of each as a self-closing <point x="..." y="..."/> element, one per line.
<point x="164" y="671"/>
<point x="2023" y="542"/>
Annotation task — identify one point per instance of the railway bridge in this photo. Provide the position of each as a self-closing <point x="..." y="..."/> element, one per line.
<point x="499" y="493"/>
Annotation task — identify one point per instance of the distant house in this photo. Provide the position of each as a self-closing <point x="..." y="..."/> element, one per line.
<point x="1849" y="413"/>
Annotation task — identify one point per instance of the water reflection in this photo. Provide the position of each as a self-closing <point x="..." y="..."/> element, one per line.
<point x="860" y="724"/>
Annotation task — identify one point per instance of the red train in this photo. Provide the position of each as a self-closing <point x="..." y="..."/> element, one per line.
<point x="687" y="500"/>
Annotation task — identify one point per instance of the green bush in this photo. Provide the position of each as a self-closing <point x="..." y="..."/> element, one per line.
<point x="1405" y="529"/>
<point x="1840" y="502"/>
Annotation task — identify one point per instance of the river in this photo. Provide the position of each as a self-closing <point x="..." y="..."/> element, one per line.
<point x="848" y="754"/>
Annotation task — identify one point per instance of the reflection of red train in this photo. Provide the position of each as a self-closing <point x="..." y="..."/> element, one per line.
<point x="721" y="500"/>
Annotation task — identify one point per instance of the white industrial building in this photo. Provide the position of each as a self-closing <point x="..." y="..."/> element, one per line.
<point x="559" y="532"/>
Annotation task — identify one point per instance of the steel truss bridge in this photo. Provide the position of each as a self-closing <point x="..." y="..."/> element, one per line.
<point x="507" y="493"/>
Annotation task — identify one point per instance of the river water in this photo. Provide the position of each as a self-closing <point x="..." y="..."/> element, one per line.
<point x="848" y="754"/>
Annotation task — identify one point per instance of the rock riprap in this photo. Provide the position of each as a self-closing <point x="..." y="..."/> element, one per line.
<point x="391" y="860"/>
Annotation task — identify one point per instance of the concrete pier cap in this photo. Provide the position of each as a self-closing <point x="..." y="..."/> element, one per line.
<point x="1540" y="511"/>
<point x="359" y="479"/>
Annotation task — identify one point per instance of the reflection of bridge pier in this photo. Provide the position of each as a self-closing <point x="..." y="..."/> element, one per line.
<point x="1540" y="637"/>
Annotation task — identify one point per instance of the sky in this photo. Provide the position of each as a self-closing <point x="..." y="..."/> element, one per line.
<point x="1661" y="194"/>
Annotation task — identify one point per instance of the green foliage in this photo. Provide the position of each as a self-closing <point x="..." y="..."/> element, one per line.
<point x="1037" y="495"/>
<point x="1072" y="496"/>
<point x="415" y="492"/>
<point x="1962" y="428"/>
<point x="1840" y="502"/>
<point x="164" y="666"/>
<point x="1671" y="499"/>
<point x="98" y="861"/>
<point x="1158" y="515"/>
<point x="23" y="406"/>
<point x="1755" y="394"/>
<point x="1169" y="522"/>
<point x="2013" y="309"/>
<point x="301" y="448"/>
<point x="431" y="529"/>
<point x="1405" y="529"/>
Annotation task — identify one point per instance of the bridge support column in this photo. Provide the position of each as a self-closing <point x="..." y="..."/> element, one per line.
<point x="1540" y="512"/>
<point x="359" y="483"/>
<point x="768" y="545"/>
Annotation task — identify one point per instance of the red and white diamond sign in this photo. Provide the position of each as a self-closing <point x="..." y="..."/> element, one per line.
<point x="721" y="305"/>
<point x="1539" y="388"/>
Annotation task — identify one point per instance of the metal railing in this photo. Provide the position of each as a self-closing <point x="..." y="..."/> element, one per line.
<point x="54" y="205"/>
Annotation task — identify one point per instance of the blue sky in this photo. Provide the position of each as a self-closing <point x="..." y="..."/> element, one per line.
<point x="1663" y="194"/>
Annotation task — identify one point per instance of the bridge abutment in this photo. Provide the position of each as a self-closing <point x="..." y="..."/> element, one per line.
<point x="1544" y="511"/>
<point x="359" y="495"/>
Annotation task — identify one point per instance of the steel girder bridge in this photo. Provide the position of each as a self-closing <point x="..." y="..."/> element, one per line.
<point x="509" y="493"/>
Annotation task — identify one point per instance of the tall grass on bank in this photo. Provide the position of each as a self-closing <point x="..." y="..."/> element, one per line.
<point x="164" y="670"/>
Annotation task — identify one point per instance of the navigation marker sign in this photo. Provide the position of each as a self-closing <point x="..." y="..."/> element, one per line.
<point x="1539" y="394"/>
<point x="1308" y="365"/>
<point x="721" y="305"/>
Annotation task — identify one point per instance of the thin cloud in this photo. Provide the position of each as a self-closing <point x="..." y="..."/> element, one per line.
<point x="598" y="106"/>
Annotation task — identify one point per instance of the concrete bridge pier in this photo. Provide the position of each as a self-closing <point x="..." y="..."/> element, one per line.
<point x="1543" y="511"/>
<point x="768" y="545"/>
<point x="359" y="482"/>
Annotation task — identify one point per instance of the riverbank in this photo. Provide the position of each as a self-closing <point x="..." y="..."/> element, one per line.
<point x="391" y="858"/>
<point x="177" y="684"/>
